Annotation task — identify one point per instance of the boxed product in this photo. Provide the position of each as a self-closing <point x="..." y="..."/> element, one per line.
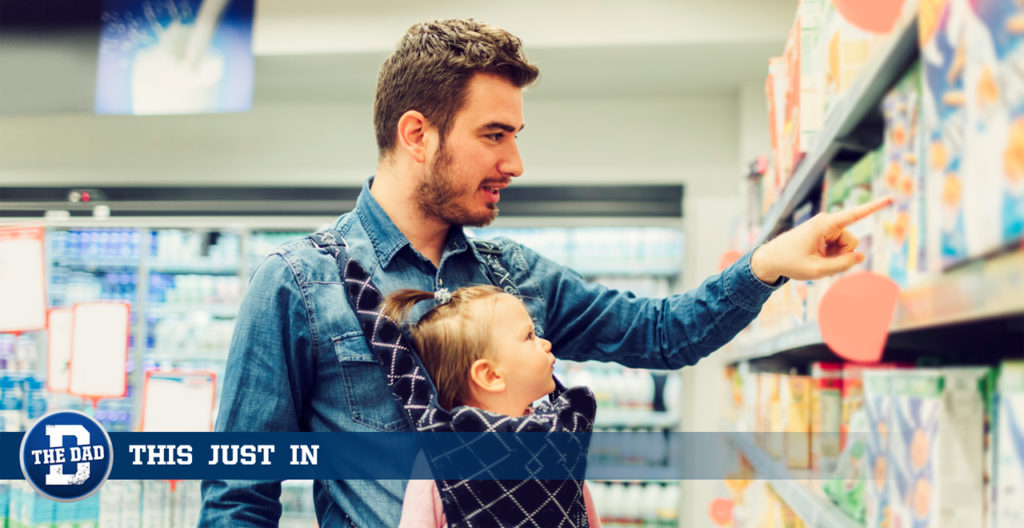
<point x="1008" y="503"/>
<point x="826" y="415"/>
<point x="993" y="193"/>
<point x="852" y="390"/>
<point x="899" y="229"/>
<point x="844" y="49"/>
<point x="846" y="486"/>
<point x="775" y="91"/>
<point x="938" y="448"/>
<point x="804" y="105"/>
<point x="943" y="119"/>
<point x="795" y="403"/>
<point x="878" y="408"/>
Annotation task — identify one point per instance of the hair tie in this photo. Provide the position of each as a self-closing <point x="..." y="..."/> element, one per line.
<point x="442" y="296"/>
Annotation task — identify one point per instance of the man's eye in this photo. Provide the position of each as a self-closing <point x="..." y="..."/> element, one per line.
<point x="495" y="137"/>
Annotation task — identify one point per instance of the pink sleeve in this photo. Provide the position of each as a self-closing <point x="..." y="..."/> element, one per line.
<point x="422" y="506"/>
<point x="593" y="519"/>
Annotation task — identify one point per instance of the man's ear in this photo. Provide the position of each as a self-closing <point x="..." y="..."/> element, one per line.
<point x="414" y="134"/>
<point x="483" y="376"/>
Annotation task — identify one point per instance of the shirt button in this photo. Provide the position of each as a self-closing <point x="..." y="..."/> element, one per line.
<point x="440" y="282"/>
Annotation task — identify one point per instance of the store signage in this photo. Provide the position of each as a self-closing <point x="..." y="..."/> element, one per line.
<point x="58" y="348"/>
<point x="99" y="349"/>
<point x="66" y="456"/>
<point x="178" y="401"/>
<point x="22" y="279"/>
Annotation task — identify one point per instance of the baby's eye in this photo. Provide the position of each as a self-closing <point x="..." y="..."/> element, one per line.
<point x="530" y="335"/>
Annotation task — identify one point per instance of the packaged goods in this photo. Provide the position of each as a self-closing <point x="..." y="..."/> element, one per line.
<point x="1008" y="502"/>
<point x="878" y="409"/>
<point x="994" y="162"/>
<point x="899" y="230"/>
<point x="826" y="415"/>
<point x="943" y="119"/>
<point x="937" y="451"/>
<point x="795" y="402"/>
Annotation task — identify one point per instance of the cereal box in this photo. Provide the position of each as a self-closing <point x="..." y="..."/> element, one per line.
<point x="994" y="163"/>
<point x="943" y="46"/>
<point x="878" y="408"/>
<point x="1009" y="447"/>
<point x="795" y="402"/>
<point x="826" y="415"/>
<point x="899" y="230"/>
<point x="937" y="448"/>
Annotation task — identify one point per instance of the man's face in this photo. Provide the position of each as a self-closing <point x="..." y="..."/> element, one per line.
<point x="479" y="157"/>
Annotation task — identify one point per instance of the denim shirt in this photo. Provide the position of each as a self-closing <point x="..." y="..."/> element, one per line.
<point x="298" y="360"/>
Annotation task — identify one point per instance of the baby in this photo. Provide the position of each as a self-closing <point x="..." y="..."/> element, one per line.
<point x="480" y="349"/>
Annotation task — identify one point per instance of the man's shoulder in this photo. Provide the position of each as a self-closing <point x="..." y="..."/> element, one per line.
<point x="307" y="261"/>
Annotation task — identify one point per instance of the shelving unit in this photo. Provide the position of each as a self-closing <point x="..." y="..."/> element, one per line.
<point x="844" y="124"/>
<point x="968" y="315"/>
<point x="813" y="509"/>
<point x="979" y="290"/>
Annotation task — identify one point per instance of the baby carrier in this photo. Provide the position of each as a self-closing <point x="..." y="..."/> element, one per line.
<point x="483" y="498"/>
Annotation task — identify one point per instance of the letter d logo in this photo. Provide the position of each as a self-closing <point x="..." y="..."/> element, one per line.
<point x="50" y="461"/>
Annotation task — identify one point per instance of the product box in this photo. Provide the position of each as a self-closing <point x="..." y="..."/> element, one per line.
<point x="899" y="230"/>
<point x="775" y="92"/>
<point x="852" y="391"/>
<point x="938" y="457"/>
<point x="1008" y="503"/>
<point x="795" y="403"/>
<point x="826" y="415"/>
<point x="804" y="108"/>
<point x="844" y="49"/>
<point x="994" y="162"/>
<point x="943" y="47"/>
<point x="878" y="407"/>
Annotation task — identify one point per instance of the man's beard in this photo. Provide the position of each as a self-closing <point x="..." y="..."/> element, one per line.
<point x="436" y="195"/>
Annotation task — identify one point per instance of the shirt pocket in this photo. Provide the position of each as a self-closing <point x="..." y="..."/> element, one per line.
<point x="370" y="401"/>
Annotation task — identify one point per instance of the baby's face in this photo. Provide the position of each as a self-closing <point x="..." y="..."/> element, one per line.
<point x="524" y="359"/>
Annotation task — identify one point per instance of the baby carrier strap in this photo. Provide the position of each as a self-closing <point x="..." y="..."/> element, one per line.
<point x="487" y="498"/>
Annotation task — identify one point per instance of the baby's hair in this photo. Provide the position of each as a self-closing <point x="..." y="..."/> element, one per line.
<point x="449" y="337"/>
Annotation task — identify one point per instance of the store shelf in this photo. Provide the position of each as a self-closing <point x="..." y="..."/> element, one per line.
<point x="982" y="289"/>
<point x="887" y="65"/>
<point x="815" y="510"/>
<point x="628" y="270"/>
<point x="747" y="348"/>
<point x="194" y="268"/>
<point x="96" y="264"/>
<point x="632" y="419"/>
<point x="214" y="309"/>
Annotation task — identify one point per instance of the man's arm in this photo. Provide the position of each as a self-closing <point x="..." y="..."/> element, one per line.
<point x="588" y="321"/>
<point x="268" y="369"/>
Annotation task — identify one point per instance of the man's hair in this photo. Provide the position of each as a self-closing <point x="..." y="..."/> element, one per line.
<point x="449" y="337"/>
<point x="430" y="67"/>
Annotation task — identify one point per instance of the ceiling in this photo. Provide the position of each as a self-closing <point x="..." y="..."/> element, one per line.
<point x="332" y="48"/>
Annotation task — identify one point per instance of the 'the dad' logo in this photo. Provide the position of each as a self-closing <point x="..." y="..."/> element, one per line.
<point x="66" y="456"/>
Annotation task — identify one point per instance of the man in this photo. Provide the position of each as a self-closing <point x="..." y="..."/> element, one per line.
<point x="447" y="111"/>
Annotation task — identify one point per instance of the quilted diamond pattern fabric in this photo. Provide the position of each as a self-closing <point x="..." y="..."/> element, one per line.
<point x="481" y="498"/>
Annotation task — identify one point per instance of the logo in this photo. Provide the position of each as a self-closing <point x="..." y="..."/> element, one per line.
<point x="66" y="456"/>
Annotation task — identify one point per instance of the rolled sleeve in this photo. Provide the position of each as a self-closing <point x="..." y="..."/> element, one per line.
<point x="744" y="289"/>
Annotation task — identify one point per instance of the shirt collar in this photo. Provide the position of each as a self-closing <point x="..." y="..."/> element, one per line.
<point x="385" y="237"/>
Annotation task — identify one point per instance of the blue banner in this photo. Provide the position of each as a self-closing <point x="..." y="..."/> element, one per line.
<point x="344" y="456"/>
